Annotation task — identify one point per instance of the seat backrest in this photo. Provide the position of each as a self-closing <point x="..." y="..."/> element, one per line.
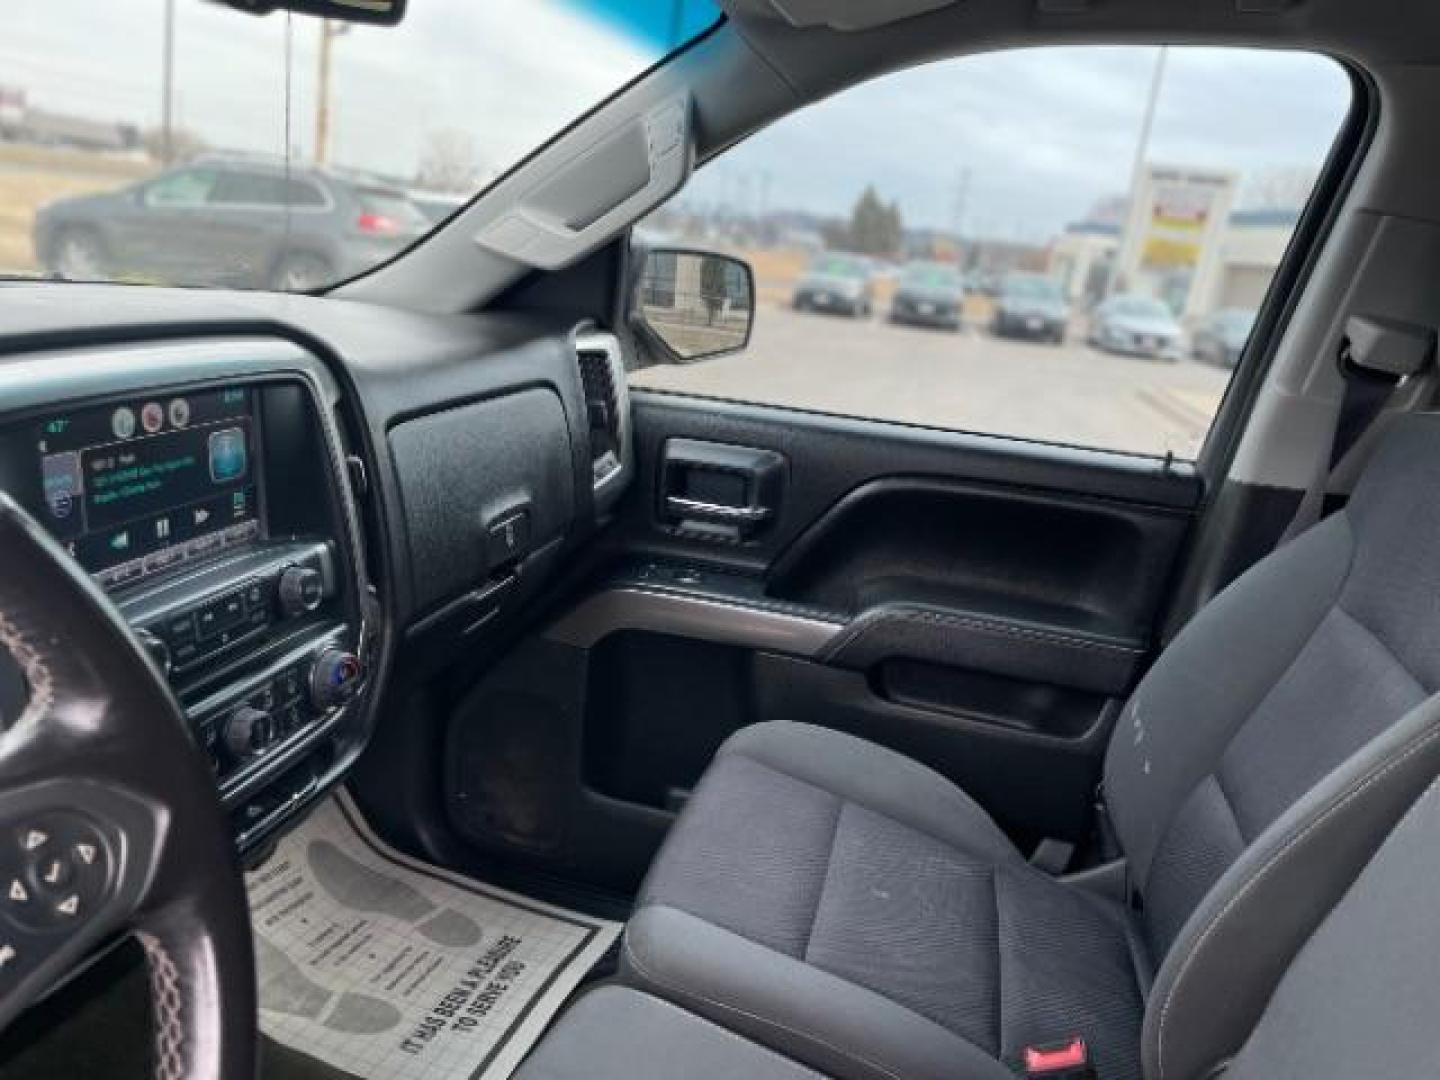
<point x="1274" y="744"/>
<point x="1362" y="996"/>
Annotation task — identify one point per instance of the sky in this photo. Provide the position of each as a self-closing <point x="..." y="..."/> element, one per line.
<point x="1034" y="137"/>
<point x="508" y="72"/>
<point x="1043" y="134"/>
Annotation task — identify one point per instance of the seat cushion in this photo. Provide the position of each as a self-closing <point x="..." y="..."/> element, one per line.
<point x="614" y="1033"/>
<point x="859" y="912"/>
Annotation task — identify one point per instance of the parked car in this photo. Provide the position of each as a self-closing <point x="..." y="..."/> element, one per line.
<point x="1221" y="338"/>
<point x="929" y="294"/>
<point x="840" y="284"/>
<point x="231" y="221"/>
<point x="1136" y="325"/>
<point x="1031" y="306"/>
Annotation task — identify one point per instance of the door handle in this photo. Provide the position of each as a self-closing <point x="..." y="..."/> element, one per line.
<point x="719" y="491"/>
<point x="718" y="513"/>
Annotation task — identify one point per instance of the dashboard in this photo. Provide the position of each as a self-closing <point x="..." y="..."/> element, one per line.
<point x="283" y="495"/>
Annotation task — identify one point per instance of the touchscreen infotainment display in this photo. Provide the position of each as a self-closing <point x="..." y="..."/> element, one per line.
<point x="136" y="487"/>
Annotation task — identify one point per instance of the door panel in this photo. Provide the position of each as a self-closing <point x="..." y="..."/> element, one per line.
<point x="978" y="603"/>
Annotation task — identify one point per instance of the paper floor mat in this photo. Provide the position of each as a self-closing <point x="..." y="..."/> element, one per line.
<point x="395" y="970"/>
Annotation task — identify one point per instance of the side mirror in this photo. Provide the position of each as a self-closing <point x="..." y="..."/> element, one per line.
<point x="695" y="304"/>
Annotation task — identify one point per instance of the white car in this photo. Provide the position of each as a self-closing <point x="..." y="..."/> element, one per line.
<point x="1136" y="326"/>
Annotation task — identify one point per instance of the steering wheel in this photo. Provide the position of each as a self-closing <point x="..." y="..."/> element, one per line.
<point x="110" y="822"/>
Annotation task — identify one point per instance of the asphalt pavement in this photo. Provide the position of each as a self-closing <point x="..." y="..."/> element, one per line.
<point x="966" y="381"/>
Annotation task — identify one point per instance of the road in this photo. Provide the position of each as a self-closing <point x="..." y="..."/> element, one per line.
<point x="968" y="381"/>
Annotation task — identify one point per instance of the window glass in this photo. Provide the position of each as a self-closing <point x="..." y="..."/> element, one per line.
<point x="100" y="96"/>
<point x="1099" y="206"/>
<point x="250" y="189"/>
<point x="187" y="188"/>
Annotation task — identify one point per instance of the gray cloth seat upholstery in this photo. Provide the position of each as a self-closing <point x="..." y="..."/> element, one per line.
<point x="615" y="1033"/>
<point x="859" y="913"/>
<point x="1359" y="999"/>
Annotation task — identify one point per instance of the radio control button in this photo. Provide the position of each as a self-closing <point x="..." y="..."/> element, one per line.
<point x="179" y="628"/>
<point x="157" y="650"/>
<point x="185" y="653"/>
<point x="300" y="591"/>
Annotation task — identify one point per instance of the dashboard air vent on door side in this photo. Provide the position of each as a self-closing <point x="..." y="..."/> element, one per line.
<point x="607" y="408"/>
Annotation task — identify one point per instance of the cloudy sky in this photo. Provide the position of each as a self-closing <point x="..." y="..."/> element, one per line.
<point x="1040" y="134"/>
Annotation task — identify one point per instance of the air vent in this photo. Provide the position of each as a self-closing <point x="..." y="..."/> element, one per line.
<point x="607" y="407"/>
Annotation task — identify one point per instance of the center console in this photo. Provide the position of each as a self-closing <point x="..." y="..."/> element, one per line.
<point x="217" y="512"/>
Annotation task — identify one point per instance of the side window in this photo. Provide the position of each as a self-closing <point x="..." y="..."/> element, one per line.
<point x="249" y="189"/>
<point x="304" y="193"/>
<point x="1066" y="245"/>
<point x="187" y="189"/>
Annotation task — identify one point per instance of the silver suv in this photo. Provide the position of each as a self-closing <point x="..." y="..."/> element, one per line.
<point x="230" y="221"/>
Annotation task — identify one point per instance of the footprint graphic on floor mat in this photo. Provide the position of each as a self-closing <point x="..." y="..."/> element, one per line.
<point x="359" y="888"/>
<point x="286" y="989"/>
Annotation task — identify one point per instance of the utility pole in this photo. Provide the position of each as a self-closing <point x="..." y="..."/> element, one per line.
<point x="1137" y="171"/>
<point x="167" y="87"/>
<point x="329" y="31"/>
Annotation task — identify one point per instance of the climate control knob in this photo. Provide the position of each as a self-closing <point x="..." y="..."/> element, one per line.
<point x="335" y="678"/>
<point x="246" y="732"/>
<point x="300" y="590"/>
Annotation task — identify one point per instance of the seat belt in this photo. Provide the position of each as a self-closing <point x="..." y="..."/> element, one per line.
<point x="1376" y="357"/>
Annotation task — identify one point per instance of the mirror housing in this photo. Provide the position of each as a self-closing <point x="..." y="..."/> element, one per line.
<point x="382" y="12"/>
<point x="694" y="304"/>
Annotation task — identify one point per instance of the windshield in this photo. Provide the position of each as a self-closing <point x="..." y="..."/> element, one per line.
<point x="835" y="266"/>
<point x="1031" y="288"/>
<point x="1140" y="307"/>
<point x="931" y="275"/>
<point x="146" y="141"/>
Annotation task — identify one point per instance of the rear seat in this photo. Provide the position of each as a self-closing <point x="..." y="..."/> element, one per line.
<point x="855" y="911"/>
<point x="1359" y="1000"/>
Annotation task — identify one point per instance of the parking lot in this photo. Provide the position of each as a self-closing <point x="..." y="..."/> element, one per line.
<point x="969" y="381"/>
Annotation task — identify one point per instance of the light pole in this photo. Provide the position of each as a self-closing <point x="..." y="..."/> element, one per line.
<point x="167" y="87"/>
<point x="1137" y="171"/>
<point x="329" y="31"/>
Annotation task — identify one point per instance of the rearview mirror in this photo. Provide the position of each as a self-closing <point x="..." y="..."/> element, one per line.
<point x="385" y="12"/>
<point x="695" y="304"/>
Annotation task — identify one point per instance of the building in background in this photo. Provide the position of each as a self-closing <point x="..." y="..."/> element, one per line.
<point x="1172" y="237"/>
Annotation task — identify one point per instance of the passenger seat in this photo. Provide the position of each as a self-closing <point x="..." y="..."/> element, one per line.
<point x="1359" y="1000"/>
<point x="858" y="913"/>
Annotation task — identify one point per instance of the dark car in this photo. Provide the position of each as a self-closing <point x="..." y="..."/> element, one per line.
<point x="929" y="294"/>
<point x="1031" y="306"/>
<point x="1221" y="338"/>
<point x="840" y="284"/>
<point x="234" y="222"/>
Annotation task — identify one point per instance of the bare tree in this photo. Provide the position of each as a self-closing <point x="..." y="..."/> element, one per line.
<point x="184" y="144"/>
<point x="448" y="161"/>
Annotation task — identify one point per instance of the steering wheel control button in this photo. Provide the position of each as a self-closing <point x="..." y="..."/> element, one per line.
<point x="301" y="590"/>
<point x="335" y="678"/>
<point x="54" y="872"/>
<point x="58" y="869"/>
